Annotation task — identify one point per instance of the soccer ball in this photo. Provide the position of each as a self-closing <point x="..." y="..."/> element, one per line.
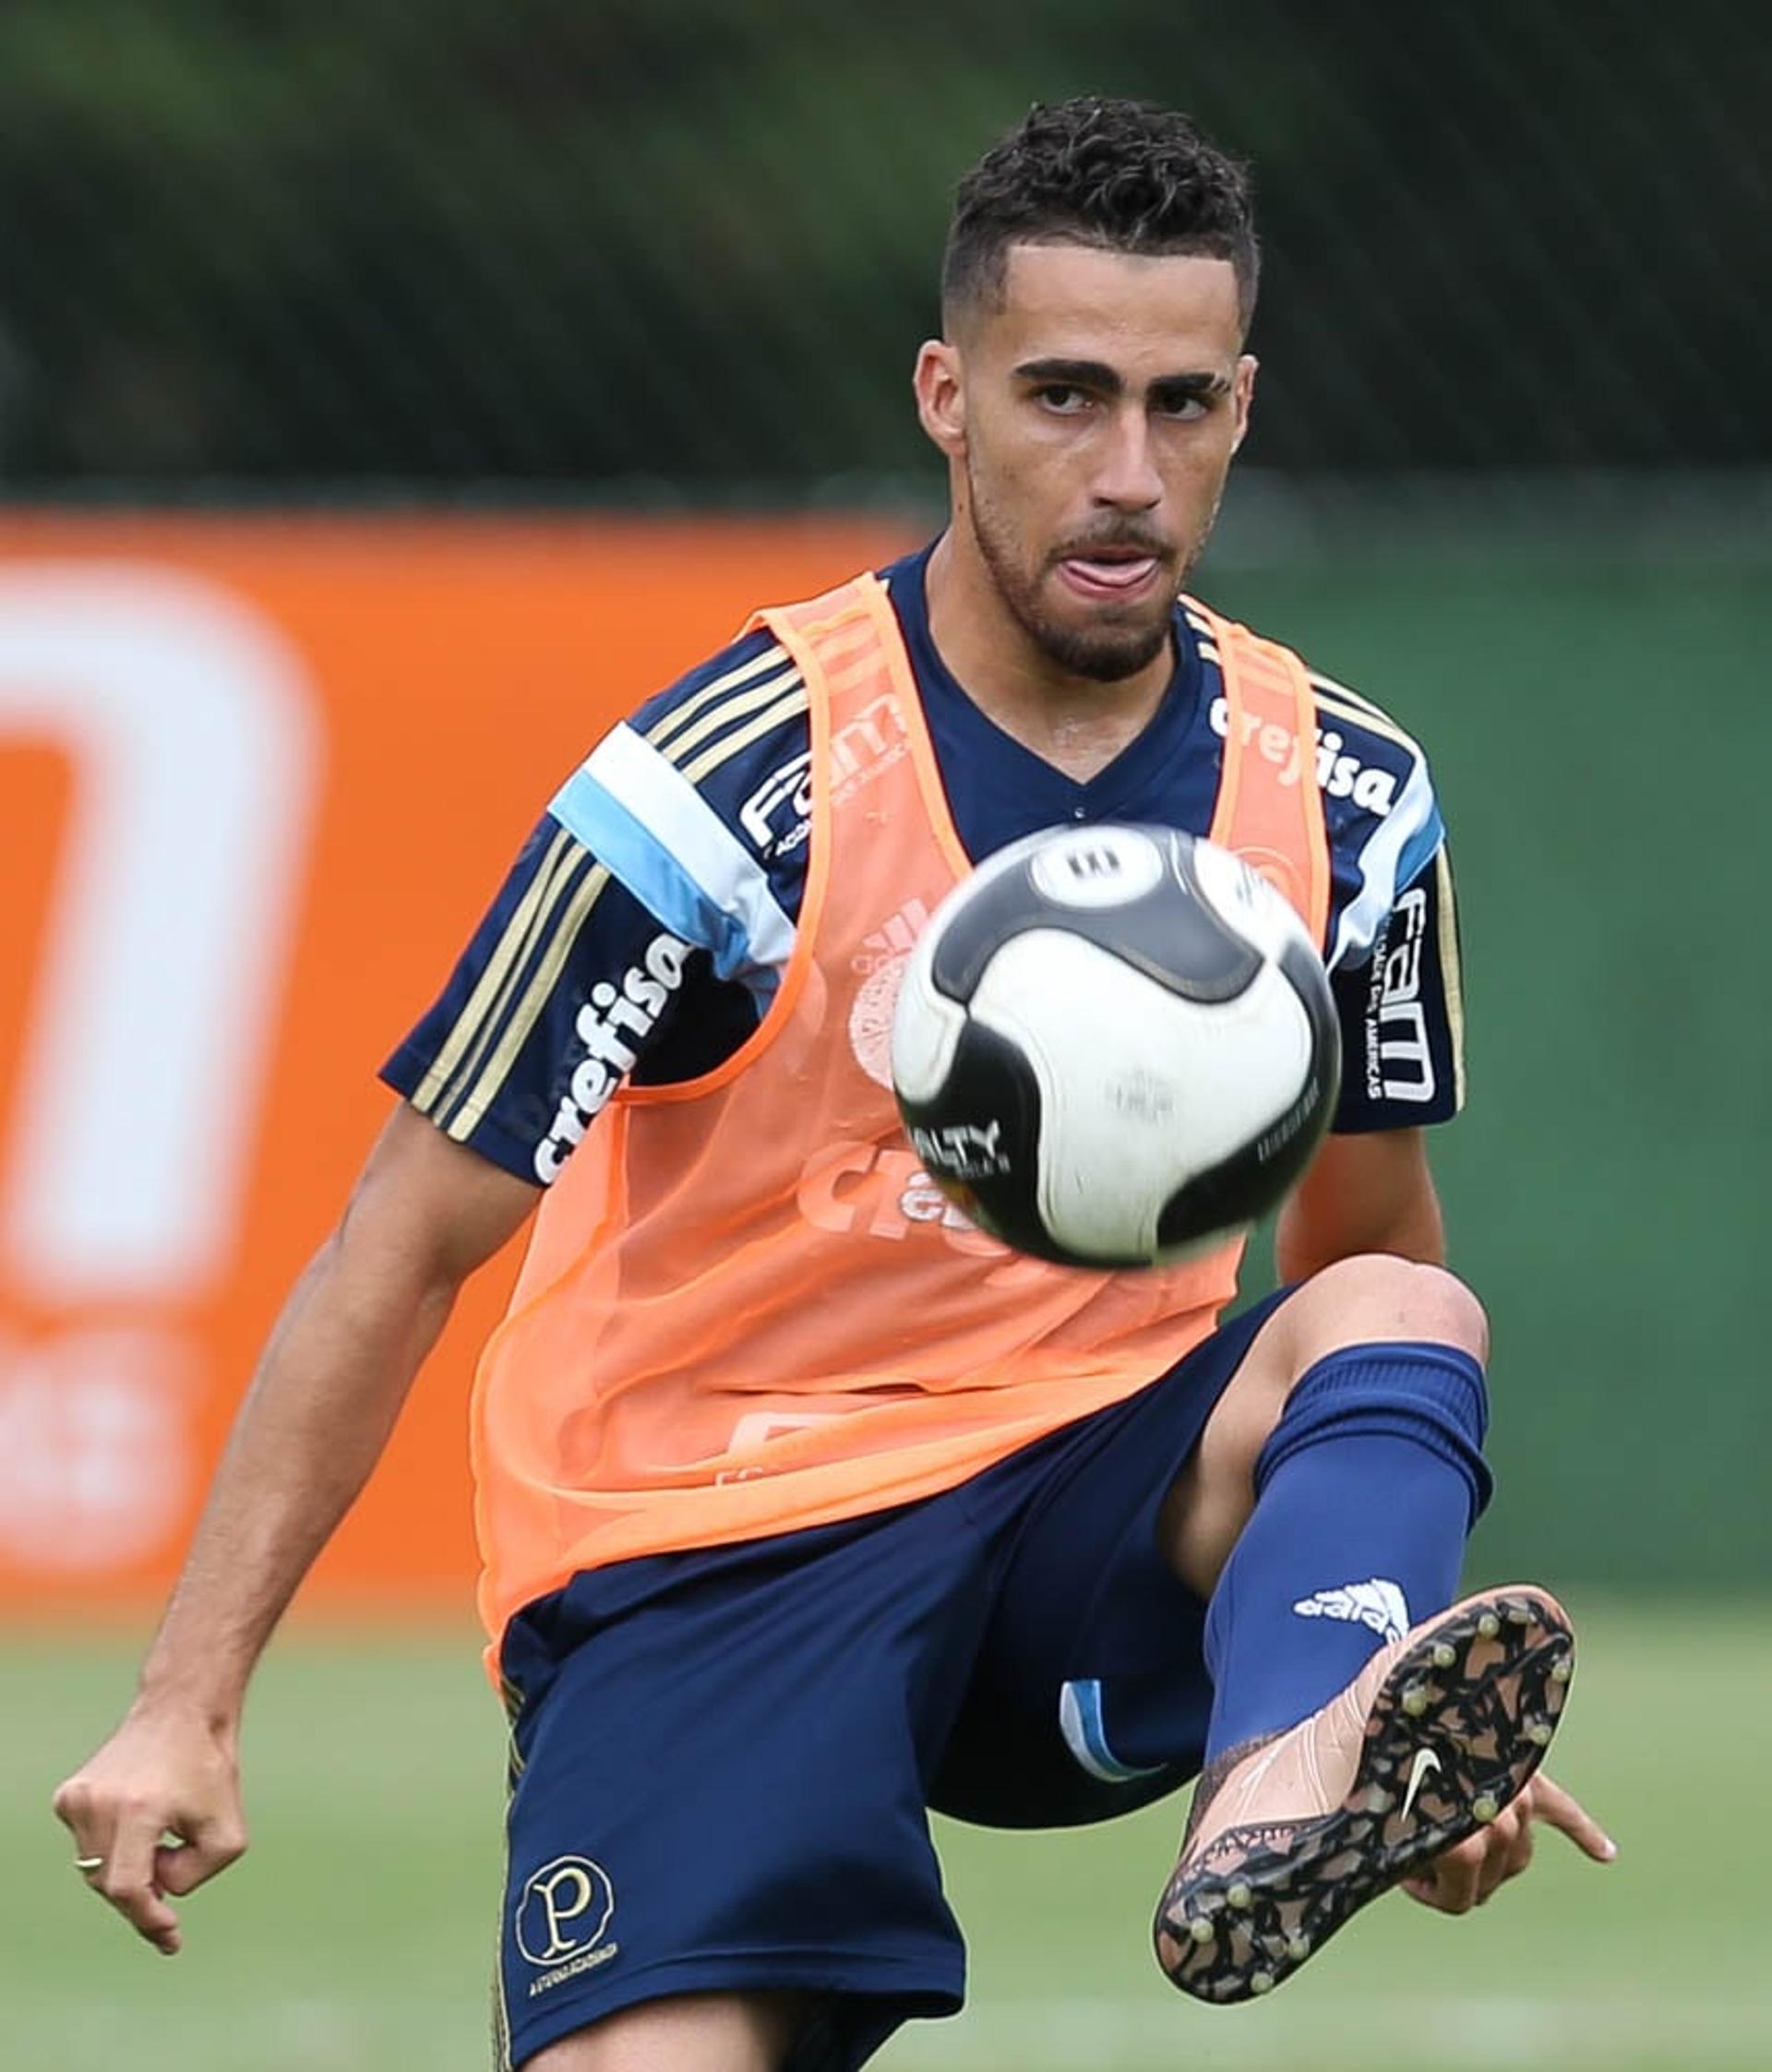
<point x="1115" y="1046"/>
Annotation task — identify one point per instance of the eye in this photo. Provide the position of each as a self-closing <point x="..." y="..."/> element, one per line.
<point x="1183" y="405"/>
<point x="1063" y="399"/>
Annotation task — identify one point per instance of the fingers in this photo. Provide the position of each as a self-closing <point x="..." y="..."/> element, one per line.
<point x="179" y="1869"/>
<point x="184" y="1864"/>
<point x="1458" y="1875"/>
<point x="140" y="1855"/>
<point x="1557" y="1809"/>
<point x="123" y="1839"/>
<point x="1453" y="1883"/>
<point x="127" y="1881"/>
<point x="1471" y="1872"/>
<point x="1509" y="1853"/>
<point x="75" y="1808"/>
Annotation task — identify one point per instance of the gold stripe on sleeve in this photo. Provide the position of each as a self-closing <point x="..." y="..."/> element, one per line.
<point x="1348" y="704"/>
<point x="681" y="715"/>
<point x="1452" y="968"/>
<point x="711" y="759"/>
<point x="572" y="859"/>
<point x="475" y="1084"/>
<point x="734" y="708"/>
<point x="516" y="1032"/>
<point x="510" y="944"/>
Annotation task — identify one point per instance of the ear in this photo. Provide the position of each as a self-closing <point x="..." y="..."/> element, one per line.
<point x="1243" y="396"/>
<point x="940" y="383"/>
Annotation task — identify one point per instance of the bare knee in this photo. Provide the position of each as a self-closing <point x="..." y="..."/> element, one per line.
<point x="691" y="2032"/>
<point x="1375" y="1298"/>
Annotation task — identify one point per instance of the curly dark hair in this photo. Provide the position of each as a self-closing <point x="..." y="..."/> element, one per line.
<point x="1123" y="175"/>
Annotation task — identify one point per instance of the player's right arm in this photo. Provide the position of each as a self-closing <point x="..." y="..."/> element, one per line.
<point x="334" y="1375"/>
<point x="681" y="831"/>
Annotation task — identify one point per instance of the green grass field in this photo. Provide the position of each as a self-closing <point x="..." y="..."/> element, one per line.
<point x="356" y="1937"/>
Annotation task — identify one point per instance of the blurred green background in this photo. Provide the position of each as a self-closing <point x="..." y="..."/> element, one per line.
<point x="1511" y="475"/>
<point x="1598" y="727"/>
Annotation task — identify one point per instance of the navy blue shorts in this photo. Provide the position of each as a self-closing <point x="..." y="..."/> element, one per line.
<point x="723" y="1760"/>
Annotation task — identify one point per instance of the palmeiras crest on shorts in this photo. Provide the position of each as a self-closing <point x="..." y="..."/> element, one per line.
<point x="564" y="1910"/>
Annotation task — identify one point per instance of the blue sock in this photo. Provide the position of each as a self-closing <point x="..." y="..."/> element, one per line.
<point x="1365" y="1493"/>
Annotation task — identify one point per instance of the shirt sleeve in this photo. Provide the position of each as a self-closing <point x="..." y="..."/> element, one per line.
<point x="1393" y="941"/>
<point x="1401" y="1008"/>
<point x="555" y="999"/>
<point x="642" y="930"/>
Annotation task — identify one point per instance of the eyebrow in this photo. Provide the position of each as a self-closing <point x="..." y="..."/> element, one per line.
<point x="1098" y="375"/>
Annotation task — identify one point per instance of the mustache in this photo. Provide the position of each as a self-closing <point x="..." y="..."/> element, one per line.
<point x="1122" y="540"/>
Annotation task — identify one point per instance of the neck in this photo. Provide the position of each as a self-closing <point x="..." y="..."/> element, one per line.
<point x="1074" y="723"/>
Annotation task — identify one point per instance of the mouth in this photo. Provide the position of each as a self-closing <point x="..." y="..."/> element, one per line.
<point x="1111" y="572"/>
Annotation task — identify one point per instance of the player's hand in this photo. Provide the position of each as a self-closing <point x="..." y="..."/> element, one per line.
<point x="155" y="1812"/>
<point x="1472" y="1873"/>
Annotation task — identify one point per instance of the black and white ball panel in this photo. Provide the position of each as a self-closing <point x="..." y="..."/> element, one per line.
<point x="1119" y="882"/>
<point x="984" y="1163"/>
<point x="1128" y="1073"/>
<point x="1115" y="1045"/>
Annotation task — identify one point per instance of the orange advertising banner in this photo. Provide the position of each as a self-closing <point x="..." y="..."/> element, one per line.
<point x="258" y="779"/>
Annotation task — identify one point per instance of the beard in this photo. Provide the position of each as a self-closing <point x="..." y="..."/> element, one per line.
<point x="1100" y="651"/>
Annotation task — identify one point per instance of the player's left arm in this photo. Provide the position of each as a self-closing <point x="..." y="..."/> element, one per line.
<point x="1398" y="991"/>
<point x="1367" y="1193"/>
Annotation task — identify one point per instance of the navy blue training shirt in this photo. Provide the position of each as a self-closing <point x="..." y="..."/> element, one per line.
<point x="662" y="891"/>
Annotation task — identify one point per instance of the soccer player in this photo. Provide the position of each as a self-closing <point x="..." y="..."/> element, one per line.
<point x="804" y="1506"/>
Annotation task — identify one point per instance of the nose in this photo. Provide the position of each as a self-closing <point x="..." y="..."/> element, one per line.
<point x="1127" y="478"/>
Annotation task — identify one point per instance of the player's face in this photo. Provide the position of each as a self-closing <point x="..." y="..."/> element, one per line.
<point x="1090" y="423"/>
